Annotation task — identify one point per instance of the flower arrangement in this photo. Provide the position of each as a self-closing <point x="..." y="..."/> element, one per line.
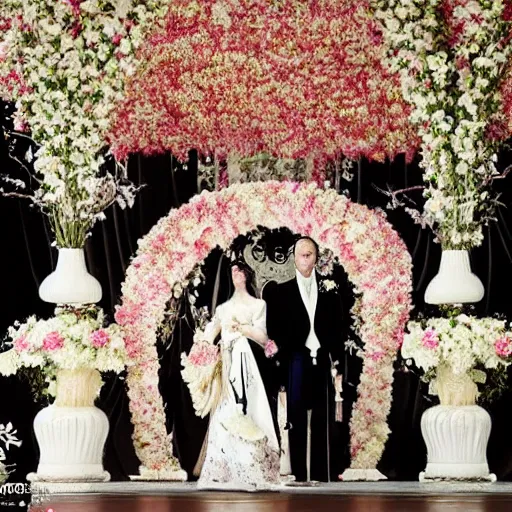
<point x="271" y="349"/>
<point x="202" y="373"/>
<point x="72" y="339"/>
<point x="66" y="68"/>
<point x="292" y="79"/>
<point x="459" y="343"/>
<point x="452" y="57"/>
<point x="373" y="255"/>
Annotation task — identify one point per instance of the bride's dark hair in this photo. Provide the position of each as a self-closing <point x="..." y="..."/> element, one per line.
<point x="248" y="272"/>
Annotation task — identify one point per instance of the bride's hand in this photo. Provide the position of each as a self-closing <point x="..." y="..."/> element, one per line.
<point x="234" y="326"/>
<point x="240" y="328"/>
<point x="243" y="329"/>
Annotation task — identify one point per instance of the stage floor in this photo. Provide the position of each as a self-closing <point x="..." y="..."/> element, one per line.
<point x="339" y="497"/>
<point x="335" y="488"/>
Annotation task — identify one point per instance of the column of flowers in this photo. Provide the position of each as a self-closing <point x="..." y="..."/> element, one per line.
<point x="452" y="57"/>
<point x="66" y="67"/>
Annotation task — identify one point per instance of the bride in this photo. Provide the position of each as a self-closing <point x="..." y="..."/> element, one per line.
<point x="241" y="448"/>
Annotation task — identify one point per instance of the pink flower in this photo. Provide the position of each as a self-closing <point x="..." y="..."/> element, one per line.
<point x="21" y="344"/>
<point x="430" y="339"/>
<point x="99" y="338"/>
<point x="271" y="349"/>
<point x="377" y="355"/>
<point x="117" y="39"/>
<point x="3" y="51"/>
<point x="203" y="354"/>
<point x="53" y="341"/>
<point x="503" y="346"/>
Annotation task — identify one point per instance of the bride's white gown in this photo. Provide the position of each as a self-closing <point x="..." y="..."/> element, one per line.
<point x="241" y="450"/>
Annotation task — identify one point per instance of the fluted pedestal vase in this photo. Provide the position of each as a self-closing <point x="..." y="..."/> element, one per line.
<point x="455" y="283"/>
<point x="456" y="432"/>
<point x="70" y="282"/>
<point x="71" y="433"/>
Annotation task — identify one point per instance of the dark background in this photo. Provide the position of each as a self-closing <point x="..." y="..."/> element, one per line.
<point x="28" y="258"/>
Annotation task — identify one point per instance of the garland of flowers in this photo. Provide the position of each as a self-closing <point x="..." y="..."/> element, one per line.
<point x="451" y="57"/>
<point x="292" y="78"/>
<point x="373" y="255"/>
<point x="66" y="66"/>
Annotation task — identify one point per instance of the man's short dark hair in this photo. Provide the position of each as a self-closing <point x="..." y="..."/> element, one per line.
<point x="309" y="239"/>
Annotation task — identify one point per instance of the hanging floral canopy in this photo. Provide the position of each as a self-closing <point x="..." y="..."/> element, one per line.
<point x="296" y="79"/>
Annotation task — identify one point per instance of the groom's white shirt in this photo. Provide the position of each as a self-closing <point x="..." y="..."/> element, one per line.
<point x="309" y="292"/>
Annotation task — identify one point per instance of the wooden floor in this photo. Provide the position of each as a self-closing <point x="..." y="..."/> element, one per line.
<point x="272" y="502"/>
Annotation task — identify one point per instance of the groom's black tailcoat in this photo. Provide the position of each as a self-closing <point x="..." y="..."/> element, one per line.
<point x="308" y="386"/>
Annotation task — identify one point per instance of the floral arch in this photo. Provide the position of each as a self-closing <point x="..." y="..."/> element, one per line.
<point x="372" y="253"/>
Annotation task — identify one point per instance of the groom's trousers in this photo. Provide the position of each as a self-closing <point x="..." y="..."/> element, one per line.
<point x="310" y="389"/>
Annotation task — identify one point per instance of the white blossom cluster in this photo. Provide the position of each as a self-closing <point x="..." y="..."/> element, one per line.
<point x="450" y="70"/>
<point x="462" y="343"/>
<point x="68" y="341"/>
<point x="66" y="64"/>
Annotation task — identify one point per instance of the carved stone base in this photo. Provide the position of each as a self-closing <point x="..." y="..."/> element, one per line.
<point x="456" y="438"/>
<point x="71" y="442"/>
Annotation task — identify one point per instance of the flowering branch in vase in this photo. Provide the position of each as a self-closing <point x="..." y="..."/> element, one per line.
<point x="66" y="68"/>
<point x="452" y="57"/>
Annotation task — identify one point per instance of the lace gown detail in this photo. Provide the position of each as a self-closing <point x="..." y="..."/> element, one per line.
<point x="242" y="449"/>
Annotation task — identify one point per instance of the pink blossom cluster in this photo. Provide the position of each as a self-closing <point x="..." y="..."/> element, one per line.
<point x="203" y="354"/>
<point x="21" y="344"/>
<point x="430" y="339"/>
<point x="503" y="346"/>
<point x="99" y="338"/>
<point x="271" y="349"/>
<point x="293" y="78"/>
<point x="53" y="341"/>
<point x="373" y="255"/>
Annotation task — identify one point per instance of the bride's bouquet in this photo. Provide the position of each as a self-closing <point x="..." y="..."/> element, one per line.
<point x="202" y="372"/>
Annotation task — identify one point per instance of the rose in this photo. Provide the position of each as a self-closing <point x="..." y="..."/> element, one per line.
<point x="53" y="341"/>
<point x="21" y="344"/>
<point x="430" y="339"/>
<point x="503" y="346"/>
<point x="271" y="349"/>
<point x="99" y="338"/>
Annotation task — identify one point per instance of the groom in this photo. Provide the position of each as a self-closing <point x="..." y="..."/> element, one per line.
<point x="305" y="321"/>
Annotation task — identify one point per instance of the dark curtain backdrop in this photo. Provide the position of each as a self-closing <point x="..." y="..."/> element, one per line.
<point x="28" y="258"/>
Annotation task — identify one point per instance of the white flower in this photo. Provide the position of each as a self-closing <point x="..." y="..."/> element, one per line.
<point x="462" y="168"/>
<point x="73" y="84"/>
<point x="327" y="285"/>
<point x="125" y="46"/>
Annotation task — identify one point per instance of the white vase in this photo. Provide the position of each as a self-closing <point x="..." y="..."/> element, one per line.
<point x="454" y="283"/>
<point x="71" y="433"/>
<point x="456" y="432"/>
<point x="70" y="283"/>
